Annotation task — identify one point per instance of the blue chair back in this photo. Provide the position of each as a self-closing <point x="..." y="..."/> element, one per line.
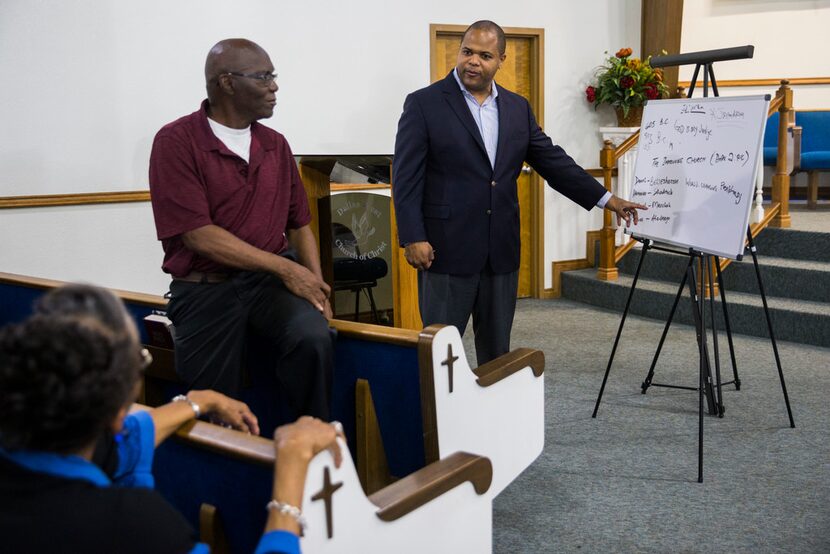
<point x="771" y="140"/>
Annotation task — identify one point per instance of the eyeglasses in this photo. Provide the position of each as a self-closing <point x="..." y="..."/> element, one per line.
<point x="264" y="77"/>
<point x="146" y="358"/>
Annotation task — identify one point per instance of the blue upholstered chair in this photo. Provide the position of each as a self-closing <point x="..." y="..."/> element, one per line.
<point x="815" y="148"/>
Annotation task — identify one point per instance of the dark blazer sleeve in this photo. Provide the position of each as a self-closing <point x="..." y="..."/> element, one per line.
<point x="559" y="170"/>
<point x="409" y="172"/>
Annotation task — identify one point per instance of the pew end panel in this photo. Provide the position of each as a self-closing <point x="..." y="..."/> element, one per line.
<point x="496" y="410"/>
<point x="444" y="507"/>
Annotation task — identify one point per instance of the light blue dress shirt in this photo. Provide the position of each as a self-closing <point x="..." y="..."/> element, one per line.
<point x="486" y="116"/>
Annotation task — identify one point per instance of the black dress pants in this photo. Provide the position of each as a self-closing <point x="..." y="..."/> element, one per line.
<point x="213" y="323"/>
<point x="489" y="297"/>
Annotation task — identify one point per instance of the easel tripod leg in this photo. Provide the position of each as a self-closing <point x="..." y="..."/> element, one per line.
<point x="710" y="275"/>
<point x="728" y="325"/>
<point x="698" y="312"/>
<point x="647" y="382"/>
<point x="769" y="326"/>
<point x="697" y="307"/>
<point x="622" y="323"/>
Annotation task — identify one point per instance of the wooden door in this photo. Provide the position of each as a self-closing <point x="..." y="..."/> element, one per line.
<point x="516" y="74"/>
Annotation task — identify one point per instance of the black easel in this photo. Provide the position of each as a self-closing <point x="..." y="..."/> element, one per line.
<point x="697" y="295"/>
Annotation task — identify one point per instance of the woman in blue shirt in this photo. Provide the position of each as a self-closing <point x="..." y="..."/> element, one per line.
<point x="68" y="376"/>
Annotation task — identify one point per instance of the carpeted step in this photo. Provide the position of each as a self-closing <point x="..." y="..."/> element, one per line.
<point x="783" y="277"/>
<point x="789" y="243"/>
<point x="802" y="321"/>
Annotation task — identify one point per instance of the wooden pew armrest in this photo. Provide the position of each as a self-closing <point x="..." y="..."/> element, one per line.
<point x="427" y="484"/>
<point x="221" y="439"/>
<point x="505" y="366"/>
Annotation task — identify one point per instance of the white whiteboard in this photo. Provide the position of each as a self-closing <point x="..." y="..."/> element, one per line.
<point x="695" y="171"/>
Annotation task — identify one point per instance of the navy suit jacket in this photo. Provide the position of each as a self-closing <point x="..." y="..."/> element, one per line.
<point x="446" y="192"/>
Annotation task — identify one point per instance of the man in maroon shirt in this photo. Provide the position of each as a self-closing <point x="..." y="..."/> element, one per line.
<point x="233" y="219"/>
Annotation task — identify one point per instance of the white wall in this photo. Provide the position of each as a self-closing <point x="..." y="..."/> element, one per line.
<point x="790" y="38"/>
<point x="94" y="80"/>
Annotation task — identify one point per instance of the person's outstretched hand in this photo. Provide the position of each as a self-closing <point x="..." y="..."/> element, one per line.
<point x="625" y="210"/>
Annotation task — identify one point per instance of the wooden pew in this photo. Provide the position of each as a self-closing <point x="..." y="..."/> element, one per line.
<point x="385" y="358"/>
<point x="385" y="392"/>
<point x="221" y="479"/>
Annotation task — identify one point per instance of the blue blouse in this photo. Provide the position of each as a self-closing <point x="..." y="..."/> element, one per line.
<point x="135" y="462"/>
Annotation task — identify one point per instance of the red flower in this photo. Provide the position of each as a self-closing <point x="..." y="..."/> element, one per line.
<point x="623" y="52"/>
<point x="591" y="94"/>
<point x="651" y="92"/>
<point x="627" y="82"/>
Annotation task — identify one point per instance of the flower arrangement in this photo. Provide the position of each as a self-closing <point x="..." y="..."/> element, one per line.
<point x="625" y="82"/>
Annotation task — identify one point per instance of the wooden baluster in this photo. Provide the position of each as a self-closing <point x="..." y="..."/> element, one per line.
<point x="781" y="179"/>
<point x="607" y="270"/>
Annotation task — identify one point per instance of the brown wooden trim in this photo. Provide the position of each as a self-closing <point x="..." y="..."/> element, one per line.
<point x="623" y="250"/>
<point x="626" y="145"/>
<point x="76" y="199"/>
<point x="591" y="240"/>
<point x="152" y="300"/>
<point x="774" y="105"/>
<point x="358" y="187"/>
<point x="427" y="384"/>
<point x="211" y="530"/>
<point x="764" y="82"/>
<point x="351" y="329"/>
<point x="428" y="483"/>
<point x="219" y="439"/>
<point x="597" y="172"/>
<point x="372" y="466"/>
<point x="504" y="366"/>
<point x="590" y="260"/>
<point x="557" y="268"/>
<point x="376" y="333"/>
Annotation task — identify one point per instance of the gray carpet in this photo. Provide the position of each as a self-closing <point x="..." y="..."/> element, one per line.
<point x="627" y="481"/>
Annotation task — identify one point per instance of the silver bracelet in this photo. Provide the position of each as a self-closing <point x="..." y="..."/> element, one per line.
<point x="289" y="510"/>
<point x="183" y="398"/>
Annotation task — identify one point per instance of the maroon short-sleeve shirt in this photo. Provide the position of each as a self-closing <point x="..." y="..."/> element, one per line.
<point x="195" y="180"/>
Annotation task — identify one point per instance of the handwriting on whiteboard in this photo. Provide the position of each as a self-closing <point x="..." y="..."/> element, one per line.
<point x="695" y="170"/>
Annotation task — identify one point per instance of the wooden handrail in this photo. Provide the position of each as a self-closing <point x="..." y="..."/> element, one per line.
<point x="427" y="484"/>
<point x="781" y="179"/>
<point x="626" y="145"/>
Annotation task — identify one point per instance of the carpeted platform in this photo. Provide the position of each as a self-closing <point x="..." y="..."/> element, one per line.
<point x="626" y="481"/>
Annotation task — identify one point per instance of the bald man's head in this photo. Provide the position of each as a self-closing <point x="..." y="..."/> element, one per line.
<point x="240" y="81"/>
<point x="230" y="55"/>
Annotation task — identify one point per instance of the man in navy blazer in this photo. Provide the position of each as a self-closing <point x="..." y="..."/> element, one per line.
<point x="460" y="146"/>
